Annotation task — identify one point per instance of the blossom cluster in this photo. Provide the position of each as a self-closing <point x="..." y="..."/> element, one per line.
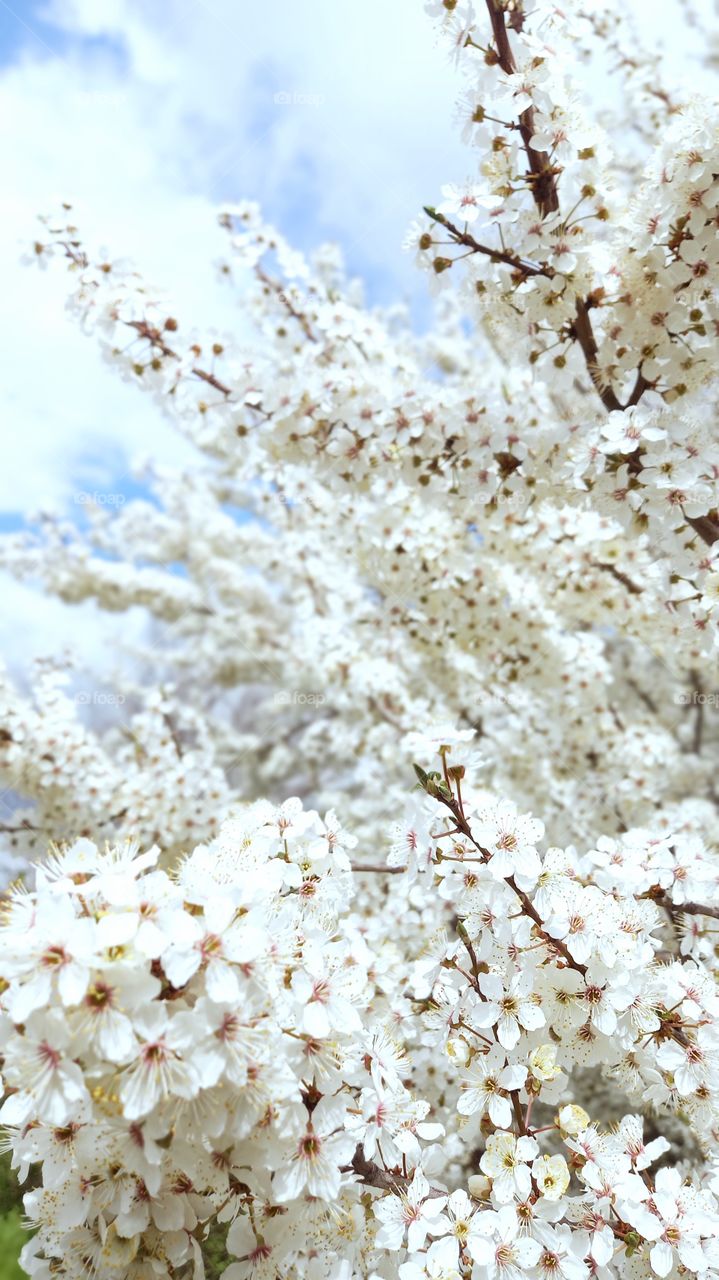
<point x="371" y="464"/>
<point x="230" y="1044"/>
<point x="179" y="1047"/>
<point x="474" y="1043"/>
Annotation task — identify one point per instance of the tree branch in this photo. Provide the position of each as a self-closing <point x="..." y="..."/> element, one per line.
<point x="584" y="334"/>
<point x="276" y="288"/>
<point x="522" y="265"/>
<point x="542" y="174"/>
<point x="155" y="338"/>
<point x="379" y="870"/>
<point x="707" y="528"/>
<point x="688" y="908"/>
<point x="616" y="573"/>
<point x="373" y="1176"/>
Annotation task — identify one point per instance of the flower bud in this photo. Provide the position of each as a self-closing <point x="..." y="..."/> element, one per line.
<point x="479" y="1186"/>
<point x="543" y="1062"/>
<point x="457" y="1051"/>
<point x="572" y="1120"/>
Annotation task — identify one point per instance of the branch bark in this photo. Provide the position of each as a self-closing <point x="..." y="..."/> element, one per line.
<point x="584" y="334"/>
<point x="522" y="265"/>
<point x="373" y="1176"/>
<point x="542" y="175"/>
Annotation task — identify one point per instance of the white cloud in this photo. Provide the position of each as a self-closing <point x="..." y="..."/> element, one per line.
<point x="148" y="128"/>
<point x="148" y="118"/>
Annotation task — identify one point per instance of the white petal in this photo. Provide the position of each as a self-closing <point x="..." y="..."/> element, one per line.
<point x="661" y="1258"/>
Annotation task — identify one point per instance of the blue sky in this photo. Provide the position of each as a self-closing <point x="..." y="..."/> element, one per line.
<point x="146" y="117"/>
<point x="29" y="23"/>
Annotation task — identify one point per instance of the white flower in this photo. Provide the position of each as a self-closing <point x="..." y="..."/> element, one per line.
<point x="327" y="990"/>
<point x="50" y="1086"/>
<point x="511" y="1009"/>
<point x="690" y="1064"/>
<point x="104" y="1019"/>
<point x="219" y="944"/>
<point x="223" y="1045"/>
<point x="552" y="1176"/>
<point x="630" y="1134"/>
<point x="55" y="955"/>
<point x="412" y="1211"/>
<point x="543" y="1063"/>
<point x="456" y="1227"/>
<point x="506" y="1161"/>
<point x="314" y="1166"/>
<point x="465" y="202"/>
<point x="159" y="1069"/>
<point x="563" y="1253"/>
<point x="674" y="1219"/>
<point x="511" y="839"/>
<point x="412" y="845"/>
<point x="572" y="1119"/>
<point x="499" y="1250"/>
<point x="485" y="1086"/>
<point x="261" y="1246"/>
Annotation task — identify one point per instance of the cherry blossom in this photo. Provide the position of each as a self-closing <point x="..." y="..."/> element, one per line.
<point x="457" y="591"/>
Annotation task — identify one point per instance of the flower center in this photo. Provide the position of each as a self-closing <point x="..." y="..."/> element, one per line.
<point x="549" y="1261"/>
<point x="507" y="841"/>
<point x="153" y="1055"/>
<point x="320" y="991"/>
<point x="48" y="1055"/>
<point x="504" y="1255"/>
<point x="310" y="1146"/>
<point x="229" y="1027"/>
<point x="99" y="996"/>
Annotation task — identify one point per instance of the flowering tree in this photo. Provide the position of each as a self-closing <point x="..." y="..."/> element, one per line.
<point x="466" y="1040"/>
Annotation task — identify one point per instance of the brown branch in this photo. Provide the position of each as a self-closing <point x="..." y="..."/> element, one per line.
<point x="543" y="181"/>
<point x="443" y="794"/>
<point x="707" y="528"/>
<point x="518" y="1113"/>
<point x="584" y="334"/>
<point x="640" y="386"/>
<point x="276" y="288"/>
<point x="531" y="911"/>
<point x="698" y="733"/>
<point x="687" y="908"/>
<point x="212" y="380"/>
<point x="373" y="1176"/>
<point x="155" y="338"/>
<point x="522" y="265"/>
<point x="379" y="870"/>
<point x="542" y="175"/>
<point x="617" y="574"/>
<point x="645" y="697"/>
